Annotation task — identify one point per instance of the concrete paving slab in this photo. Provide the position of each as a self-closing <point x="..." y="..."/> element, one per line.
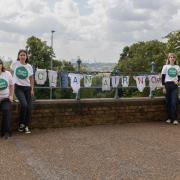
<point x="142" y="151"/>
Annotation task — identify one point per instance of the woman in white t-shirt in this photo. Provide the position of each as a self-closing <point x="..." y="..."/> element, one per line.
<point x="24" y="88"/>
<point x="170" y="78"/>
<point x="6" y="97"/>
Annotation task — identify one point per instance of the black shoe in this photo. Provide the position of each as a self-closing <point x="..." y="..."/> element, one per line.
<point x="6" y="136"/>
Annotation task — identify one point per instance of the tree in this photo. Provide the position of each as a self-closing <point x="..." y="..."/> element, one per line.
<point x="40" y="56"/>
<point x="138" y="57"/>
<point x="173" y="43"/>
<point x="39" y="53"/>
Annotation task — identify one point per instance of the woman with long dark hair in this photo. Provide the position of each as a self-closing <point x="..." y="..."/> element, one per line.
<point x="24" y="89"/>
<point x="6" y="97"/>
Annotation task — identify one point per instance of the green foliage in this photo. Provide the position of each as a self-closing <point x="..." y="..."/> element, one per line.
<point x="39" y="53"/>
<point x="173" y="43"/>
<point x="138" y="57"/>
<point x="40" y="56"/>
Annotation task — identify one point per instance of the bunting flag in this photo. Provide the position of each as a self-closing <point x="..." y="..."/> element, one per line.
<point x="88" y="80"/>
<point x="63" y="79"/>
<point x="140" y="82"/>
<point x="107" y="81"/>
<point x="125" y="81"/>
<point x="106" y="84"/>
<point x="40" y="76"/>
<point x="75" y="81"/>
<point x="115" y="81"/>
<point x="154" y="81"/>
<point x="52" y="78"/>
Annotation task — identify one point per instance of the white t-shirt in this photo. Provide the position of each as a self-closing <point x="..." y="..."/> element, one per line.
<point x="5" y="80"/>
<point x="171" y="71"/>
<point x="21" y="74"/>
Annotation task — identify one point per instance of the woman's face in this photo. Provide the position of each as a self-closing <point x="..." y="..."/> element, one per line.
<point x="172" y="59"/>
<point x="22" y="56"/>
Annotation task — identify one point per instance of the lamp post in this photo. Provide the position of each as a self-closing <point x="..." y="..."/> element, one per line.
<point x="78" y="70"/>
<point x="52" y="32"/>
<point x="152" y="72"/>
<point x="116" y="96"/>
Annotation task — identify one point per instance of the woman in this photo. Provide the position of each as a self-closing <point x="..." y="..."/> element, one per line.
<point x="6" y="97"/>
<point x="24" y="89"/>
<point x="170" y="78"/>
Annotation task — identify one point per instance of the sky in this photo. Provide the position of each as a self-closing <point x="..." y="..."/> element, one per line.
<point x="95" y="30"/>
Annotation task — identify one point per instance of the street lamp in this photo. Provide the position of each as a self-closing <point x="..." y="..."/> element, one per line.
<point x="52" y="32"/>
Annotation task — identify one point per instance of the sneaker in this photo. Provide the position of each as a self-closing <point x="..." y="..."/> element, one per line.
<point x="27" y="130"/>
<point x="175" y="122"/>
<point x="168" y="121"/>
<point x="21" y="127"/>
<point x="6" y="136"/>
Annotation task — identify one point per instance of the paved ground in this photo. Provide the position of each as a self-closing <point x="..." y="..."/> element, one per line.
<point x="149" y="151"/>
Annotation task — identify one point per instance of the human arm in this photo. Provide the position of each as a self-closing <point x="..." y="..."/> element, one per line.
<point x="31" y="78"/>
<point x="11" y="92"/>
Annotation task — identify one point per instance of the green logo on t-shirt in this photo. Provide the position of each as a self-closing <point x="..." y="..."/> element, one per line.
<point x="21" y="72"/>
<point x="172" y="72"/>
<point x="3" y="84"/>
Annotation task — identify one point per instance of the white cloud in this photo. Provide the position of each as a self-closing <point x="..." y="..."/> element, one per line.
<point x="100" y="34"/>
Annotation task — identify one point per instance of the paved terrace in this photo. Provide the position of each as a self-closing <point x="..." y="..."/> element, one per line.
<point x="149" y="151"/>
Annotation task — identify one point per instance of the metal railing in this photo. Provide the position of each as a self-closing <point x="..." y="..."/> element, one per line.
<point x="116" y="72"/>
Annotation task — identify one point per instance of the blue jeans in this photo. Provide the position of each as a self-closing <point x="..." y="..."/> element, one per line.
<point x="5" y="106"/>
<point x="23" y="93"/>
<point x="171" y="100"/>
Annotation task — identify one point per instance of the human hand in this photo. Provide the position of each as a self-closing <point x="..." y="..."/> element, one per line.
<point x="32" y="92"/>
<point x="11" y="98"/>
<point x="164" y="90"/>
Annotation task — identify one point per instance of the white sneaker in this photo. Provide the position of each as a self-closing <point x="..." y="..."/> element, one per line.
<point x="27" y="130"/>
<point x="175" y="122"/>
<point x="168" y="121"/>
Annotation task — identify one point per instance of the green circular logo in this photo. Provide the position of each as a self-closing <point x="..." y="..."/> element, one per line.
<point x="21" y="72"/>
<point x="172" y="72"/>
<point x="3" y="84"/>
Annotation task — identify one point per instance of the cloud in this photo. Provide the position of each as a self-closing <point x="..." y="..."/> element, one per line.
<point x="99" y="34"/>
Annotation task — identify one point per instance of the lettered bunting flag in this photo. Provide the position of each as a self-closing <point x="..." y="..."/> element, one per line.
<point x="140" y="82"/>
<point x="154" y="81"/>
<point x="40" y="76"/>
<point x="115" y="81"/>
<point x="106" y="84"/>
<point x="75" y="81"/>
<point x="63" y="79"/>
<point x="52" y="78"/>
<point x="125" y="81"/>
<point x="88" y="80"/>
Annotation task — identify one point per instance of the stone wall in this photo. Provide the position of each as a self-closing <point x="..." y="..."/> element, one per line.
<point x="64" y="113"/>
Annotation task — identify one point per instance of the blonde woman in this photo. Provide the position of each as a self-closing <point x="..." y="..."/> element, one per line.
<point x="170" y="78"/>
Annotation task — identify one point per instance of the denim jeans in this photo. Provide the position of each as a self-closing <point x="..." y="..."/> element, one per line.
<point x="5" y="106"/>
<point x="171" y="100"/>
<point x="23" y="93"/>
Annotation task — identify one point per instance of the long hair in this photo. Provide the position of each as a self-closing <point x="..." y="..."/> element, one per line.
<point x="3" y="68"/>
<point x="24" y="51"/>
<point x="169" y="55"/>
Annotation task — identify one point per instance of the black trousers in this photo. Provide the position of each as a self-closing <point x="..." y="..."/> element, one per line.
<point x="23" y="94"/>
<point x="171" y="100"/>
<point x="5" y="106"/>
